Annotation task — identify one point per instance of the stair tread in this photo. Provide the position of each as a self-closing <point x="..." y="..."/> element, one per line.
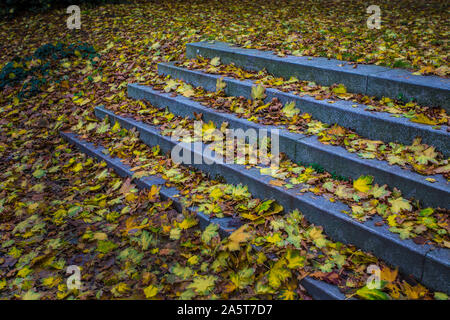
<point x="366" y="79"/>
<point x="317" y="289"/>
<point x="404" y="253"/>
<point x="374" y="125"/>
<point x="410" y="183"/>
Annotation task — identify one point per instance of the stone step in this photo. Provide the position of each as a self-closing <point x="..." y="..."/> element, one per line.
<point x="318" y="290"/>
<point x="373" y="125"/>
<point x="429" y="265"/>
<point x="371" y="80"/>
<point x="308" y="149"/>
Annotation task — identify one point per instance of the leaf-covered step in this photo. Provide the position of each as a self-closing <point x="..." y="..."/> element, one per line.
<point x="305" y="149"/>
<point x="411" y="258"/>
<point x="366" y="79"/>
<point x="318" y="289"/>
<point x="374" y="125"/>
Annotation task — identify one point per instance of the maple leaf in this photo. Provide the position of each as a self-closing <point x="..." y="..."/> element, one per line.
<point x="422" y="118"/>
<point x="182" y="272"/>
<point x="295" y="259"/>
<point x="340" y="89"/>
<point x="278" y="274"/>
<point x="151" y="291"/>
<point x="428" y="155"/>
<point x="287" y="295"/>
<point x="414" y="292"/>
<point x="363" y="183"/>
<point x="316" y="235"/>
<point x="39" y="173"/>
<point x="404" y="232"/>
<point x="399" y="204"/>
<point x="216" y="193"/>
<point x="236" y="238"/>
<point x="372" y="294"/>
<point x="243" y="278"/>
<point x="171" y="85"/>
<point x="146" y="240"/>
<point x="440" y="296"/>
<point x="203" y="284"/>
<point x="215" y="61"/>
<point x="209" y="233"/>
<point x="240" y="192"/>
<point x="343" y="192"/>
<point x="290" y="110"/>
<point x="379" y="192"/>
<point x="186" y="90"/>
<point x="388" y="274"/>
<point x="153" y="193"/>
<point x="106" y="246"/>
<point x="220" y="84"/>
<point x="31" y="295"/>
<point x="175" y="233"/>
<point x="258" y="92"/>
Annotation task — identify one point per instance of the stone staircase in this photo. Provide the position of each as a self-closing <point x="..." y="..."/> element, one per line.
<point x="426" y="263"/>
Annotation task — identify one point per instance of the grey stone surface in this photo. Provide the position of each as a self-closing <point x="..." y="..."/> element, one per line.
<point x="362" y="79"/>
<point x="373" y="125"/>
<point x="405" y="254"/>
<point x="427" y="90"/>
<point x="309" y="150"/>
<point x="437" y="269"/>
<point x="317" y="289"/>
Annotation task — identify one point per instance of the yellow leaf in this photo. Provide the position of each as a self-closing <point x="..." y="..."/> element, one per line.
<point x="100" y="236"/>
<point x="290" y="110"/>
<point x="220" y="84"/>
<point x="363" y="183"/>
<point x="421" y="118"/>
<point x="215" y="61"/>
<point x="340" y="89"/>
<point x="258" y="92"/>
<point x="153" y="193"/>
<point x="295" y="260"/>
<point x="316" y="235"/>
<point x="77" y="167"/>
<point x="400" y="204"/>
<point x="216" y="193"/>
<point x="236" y="238"/>
<point x="151" y="291"/>
<point x="415" y="292"/>
<point x="388" y="274"/>
<point x="189" y="222"/>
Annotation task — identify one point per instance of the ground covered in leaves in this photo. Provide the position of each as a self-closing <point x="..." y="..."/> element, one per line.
<point x="59" y="207"/>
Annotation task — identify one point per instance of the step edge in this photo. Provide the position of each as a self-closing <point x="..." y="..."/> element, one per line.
<point x="416" y="180"/>
<point x="321" y="290"/>
<point x="193" y="49"/>
<point x="382" y="119"/>
<point x="404" y="245"/>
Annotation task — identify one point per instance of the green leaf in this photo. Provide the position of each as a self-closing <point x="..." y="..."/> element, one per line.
<point x="258" y="92"/>
<point x="39" y="173"/>
<point x="209" y="233"/>
<point x="372" y="294"/>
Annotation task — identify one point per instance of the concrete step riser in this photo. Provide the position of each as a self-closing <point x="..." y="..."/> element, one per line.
<point x="367" y="79"/>
<point x="373" y="125"/>
<point x="309" y="150"/>
<point x="317" y="289"/>
<point x="409" y="257"/>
